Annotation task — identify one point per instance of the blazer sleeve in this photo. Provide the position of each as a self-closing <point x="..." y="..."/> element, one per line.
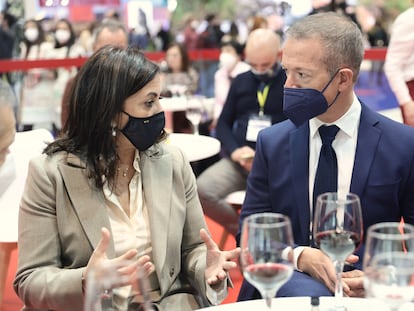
<point x="41" y="281"/>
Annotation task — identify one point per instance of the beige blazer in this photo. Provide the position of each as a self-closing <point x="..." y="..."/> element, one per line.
<point x="61" y="215"/>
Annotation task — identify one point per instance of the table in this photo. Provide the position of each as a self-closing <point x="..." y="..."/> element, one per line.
<point x="195" y="147"/>
<point x="303" y="304"/>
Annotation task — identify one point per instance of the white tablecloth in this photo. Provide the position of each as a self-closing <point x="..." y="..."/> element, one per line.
<point x="195" y="147"/>
<point x="303" y="304"/>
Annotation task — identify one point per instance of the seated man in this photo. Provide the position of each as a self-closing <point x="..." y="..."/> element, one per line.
<point x="321" y="56"/>
<point x="254" y="101"/>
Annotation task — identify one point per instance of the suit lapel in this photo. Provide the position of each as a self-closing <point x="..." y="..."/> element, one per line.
<point x="368" y="138"/>
<point x="88" y="204"/>
<point x="156" y="171"/>
<point x="299" y="144"/>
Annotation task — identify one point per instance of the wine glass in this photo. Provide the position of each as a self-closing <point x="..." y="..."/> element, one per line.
<point x="337" y="231"/>
<point x="389" y="263"/>
<point x="195" y="111"/>
<point x="117" y="286"/>
<point x="266" y="252"/>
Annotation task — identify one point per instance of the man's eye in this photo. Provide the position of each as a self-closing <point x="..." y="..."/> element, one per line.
<point x="301" y="75"/>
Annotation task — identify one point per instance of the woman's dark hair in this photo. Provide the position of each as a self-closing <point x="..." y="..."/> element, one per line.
<point x="239" y="48"/>
<point x="185" y="58"/>
<point x="40" y="38"/>
<point x="72" y="38"/>
<point x="97" y="98"/>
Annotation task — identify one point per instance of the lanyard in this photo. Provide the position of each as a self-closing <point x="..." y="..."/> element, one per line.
<point x="261" y="98"/>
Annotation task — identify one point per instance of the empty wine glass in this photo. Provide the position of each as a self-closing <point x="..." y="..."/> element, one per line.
<point x="389" y="263"/>
<point x="194" y="111"/>
<point x="337" y="231"/>
<point x="117" y="286"/>
<point x="266" y="252"/>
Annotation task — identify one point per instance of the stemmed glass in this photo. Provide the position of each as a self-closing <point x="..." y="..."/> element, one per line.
<point x="266" y="252"/>
<point x="337" y="231"/>
<point x="194" y="111"/>
<point x="117" y="286"/>
<point x="389" y="263"/>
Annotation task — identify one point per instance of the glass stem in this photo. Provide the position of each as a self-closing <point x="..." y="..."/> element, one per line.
<point x="339" y="293"/>
<point x="268" y="296"/>
<point x="195" y="125"/>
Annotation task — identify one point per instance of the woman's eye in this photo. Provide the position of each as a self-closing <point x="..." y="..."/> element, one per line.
<point x="150" y="103"/>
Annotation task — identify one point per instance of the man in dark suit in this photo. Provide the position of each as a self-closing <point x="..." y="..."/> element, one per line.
<point x="375" y="155"/>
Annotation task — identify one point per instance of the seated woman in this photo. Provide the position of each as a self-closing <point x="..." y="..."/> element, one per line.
<point x="94" y="196"/>
<point x="179" y="78"/>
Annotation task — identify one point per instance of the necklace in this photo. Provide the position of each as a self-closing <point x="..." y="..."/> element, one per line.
<point x="124" y="171"/>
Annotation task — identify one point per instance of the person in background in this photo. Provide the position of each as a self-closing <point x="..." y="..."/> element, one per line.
<point x="377" y="38"/>
<point x="110" y="32"/>
<point x="233" y="34"/>
<point x="231" y="64"/>
<point x="190" y="33"/>
<point x="94" y="196"/>
<point x="254" y="101"/>
<point x="85" y="38"/>
<point x="399" y="63"/>
<point x="209" y="38"/>
<point x="36" y="107"/>
<point x="65" y="46"/>
<point x="256" y="22"/>
<point x="178" y="78"/>
<point x="140" y="36"/>
<point x="321" y="56"/>
<point x="7" y="39"/>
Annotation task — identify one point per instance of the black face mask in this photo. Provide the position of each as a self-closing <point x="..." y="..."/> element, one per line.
<point x="144" y="132"/>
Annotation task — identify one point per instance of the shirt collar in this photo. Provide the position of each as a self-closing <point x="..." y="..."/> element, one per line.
<point x="348" y="123"/>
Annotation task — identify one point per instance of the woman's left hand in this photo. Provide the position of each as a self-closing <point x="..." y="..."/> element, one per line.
<point x="218" y="262"/>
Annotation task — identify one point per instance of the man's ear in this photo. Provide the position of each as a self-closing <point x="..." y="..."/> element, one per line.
<point x="346" y="77"/>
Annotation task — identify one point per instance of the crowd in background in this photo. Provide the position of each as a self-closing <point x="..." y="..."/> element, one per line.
<point x="60" y="38"/>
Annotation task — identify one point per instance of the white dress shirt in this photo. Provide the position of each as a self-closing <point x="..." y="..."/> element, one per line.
<point x="133" y="232"/>
<point x="344" y="145"/>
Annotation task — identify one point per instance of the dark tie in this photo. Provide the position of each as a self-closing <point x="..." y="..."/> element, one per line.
<point x="326" y="178"/>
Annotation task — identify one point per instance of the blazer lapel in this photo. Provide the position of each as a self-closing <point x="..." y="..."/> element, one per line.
<point x="368" y="138"/>
<point x="299" y="144"/>
<point x="89" y="204"/>
<point x="156" y="171"/>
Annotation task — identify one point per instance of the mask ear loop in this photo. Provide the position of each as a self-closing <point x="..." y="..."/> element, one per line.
<point x="329" y="82"/>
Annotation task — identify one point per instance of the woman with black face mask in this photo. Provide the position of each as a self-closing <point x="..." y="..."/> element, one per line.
<point x="110" y="189"/>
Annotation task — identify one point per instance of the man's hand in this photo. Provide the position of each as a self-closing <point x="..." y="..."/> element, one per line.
<point x="315" y="263"/>
<point x="243" y="156"/>
<point x="318" y="265"/>
<point x="408" y="112"/>
<point x="353" y="283"/>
